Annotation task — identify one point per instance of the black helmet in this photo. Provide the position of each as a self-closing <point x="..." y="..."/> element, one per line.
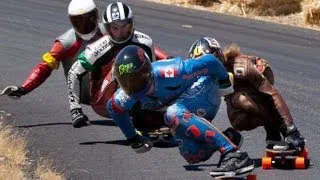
<point x="206" y="45"/>
<point x="132" y="69"/>
<point x="118" y="21"/>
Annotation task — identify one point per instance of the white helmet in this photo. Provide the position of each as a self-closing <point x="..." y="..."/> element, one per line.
<point x="118" y="22"/>
<point x="83" y="16"/>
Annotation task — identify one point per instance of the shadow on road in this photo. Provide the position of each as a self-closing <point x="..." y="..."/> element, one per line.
<point x="45" y="124"/>
<point x="197" y="167"/>
<point x="94" y="122"/>
<point x="103" y="122"/>
<point x="116" y="142"/>
<point x="126" y="143"/>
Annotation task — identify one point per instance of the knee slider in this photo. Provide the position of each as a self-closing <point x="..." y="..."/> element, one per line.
<point x="172" y="116"/>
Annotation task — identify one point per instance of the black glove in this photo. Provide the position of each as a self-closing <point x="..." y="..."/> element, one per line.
<point x="225" y="83"/>
<point x="225" y="87"/>
<point x="78" y="118"/>
<point x="14" y="91"/>
<point x="293" y="138"/>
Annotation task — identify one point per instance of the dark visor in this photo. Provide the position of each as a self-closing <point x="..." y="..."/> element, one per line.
<point x="85" y="23"/>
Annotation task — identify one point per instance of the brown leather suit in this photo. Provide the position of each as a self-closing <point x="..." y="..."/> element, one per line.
<point x="255" y="101"/>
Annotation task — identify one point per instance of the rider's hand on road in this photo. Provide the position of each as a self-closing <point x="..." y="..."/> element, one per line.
<point x="14" y="91"/>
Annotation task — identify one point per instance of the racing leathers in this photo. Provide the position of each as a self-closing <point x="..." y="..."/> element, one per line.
<point x="188" y="93"/>
<point x="256" y="102"/>
<point x="65" y="50"/>
<point x="97" y="59"/>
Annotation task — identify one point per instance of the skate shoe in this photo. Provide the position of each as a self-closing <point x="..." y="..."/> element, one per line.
<point x="233" y="164"/>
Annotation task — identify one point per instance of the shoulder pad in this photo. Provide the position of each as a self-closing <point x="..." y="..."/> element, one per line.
<point x="68" y="38"/>
<point x="142" y="38"/>
<point x="240" y="67"/>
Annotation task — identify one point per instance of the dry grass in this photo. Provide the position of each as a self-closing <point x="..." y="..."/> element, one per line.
<point x="299" y="13"/>
<point x="13" y="154"/>
<point x="14" y="163"/>
<point x="46" y="171"/>
<point x="268" y="7"/>
<point x="312" y="12"/>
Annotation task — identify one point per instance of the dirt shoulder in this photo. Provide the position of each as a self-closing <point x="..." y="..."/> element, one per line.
<point x="297" y="13"/>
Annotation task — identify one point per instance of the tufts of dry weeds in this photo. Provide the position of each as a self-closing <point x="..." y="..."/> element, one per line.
<point x="300" y="13"/>
<point x="268" y="7"/>
<point x="45" y="170"/>
<point x="12" y="154"/>
<point x="312" y="12"/>
<point x="14" y="163"/>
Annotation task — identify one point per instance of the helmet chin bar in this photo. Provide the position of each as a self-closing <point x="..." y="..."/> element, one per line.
<point x="88" y="36"/>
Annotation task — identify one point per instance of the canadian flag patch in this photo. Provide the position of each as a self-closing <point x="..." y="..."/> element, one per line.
<point x="169" y="72"/>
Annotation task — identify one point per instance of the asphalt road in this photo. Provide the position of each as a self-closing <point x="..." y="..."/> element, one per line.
<point x="28" y="28"/>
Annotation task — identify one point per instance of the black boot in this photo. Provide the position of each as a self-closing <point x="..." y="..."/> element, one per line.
<point x="273" y="137"/>
<point x="234" y="136"/>
<point x="233" y="163"/>
<point x="139" y="144"/>
<point x="79" y="119"/>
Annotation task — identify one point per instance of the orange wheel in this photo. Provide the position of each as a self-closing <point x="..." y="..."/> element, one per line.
<point x="252" y="177"/>
<point x="266" y="162"/>
<point x="300" y="163"/>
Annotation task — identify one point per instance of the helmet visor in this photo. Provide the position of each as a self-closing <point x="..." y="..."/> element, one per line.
<point x="85" y="23"/>
<point x="120" y="31"/>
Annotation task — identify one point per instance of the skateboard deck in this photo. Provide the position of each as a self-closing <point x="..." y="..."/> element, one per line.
<point x="281" y="158"/>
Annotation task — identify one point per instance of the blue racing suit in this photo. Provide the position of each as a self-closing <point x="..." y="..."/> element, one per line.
<point x="186" y="90"/>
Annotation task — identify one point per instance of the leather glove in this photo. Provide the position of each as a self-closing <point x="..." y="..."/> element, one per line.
<point x="14" y="91"/>
<point x="78" y="118"/>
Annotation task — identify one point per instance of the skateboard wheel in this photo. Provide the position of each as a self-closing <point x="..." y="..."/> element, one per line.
<point x="252" y="177"/>
<point x="300" y="163"/>
<point x="266" y="162"/>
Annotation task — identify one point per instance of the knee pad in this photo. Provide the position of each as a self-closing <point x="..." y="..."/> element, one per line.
<point x="195" y="151"/>
<point x="173" y="115"/>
